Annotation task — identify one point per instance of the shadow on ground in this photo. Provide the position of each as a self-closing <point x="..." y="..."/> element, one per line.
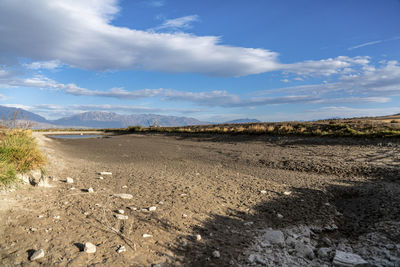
<point x="362" y="205"/>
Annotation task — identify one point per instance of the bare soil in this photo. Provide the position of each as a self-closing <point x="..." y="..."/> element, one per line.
<point x="225" y="188"/>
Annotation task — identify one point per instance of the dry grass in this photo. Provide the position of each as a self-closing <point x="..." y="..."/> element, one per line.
<point x="345" y="127"/>
<point x="18" y="152"/>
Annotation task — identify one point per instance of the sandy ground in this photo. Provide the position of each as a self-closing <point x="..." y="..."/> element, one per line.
<point x="225" y="189"/>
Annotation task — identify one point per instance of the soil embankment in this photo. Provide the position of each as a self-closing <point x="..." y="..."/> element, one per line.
<point x="228" y="190"/>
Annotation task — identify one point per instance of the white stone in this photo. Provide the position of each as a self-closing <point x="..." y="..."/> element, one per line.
<point x="287" y="193"/>
<point x="120" y="211"/>
<point x="146" y="235"/>
<point x="280" y="216"/>
<point x="216" y="254"/>
<point x="346" y="259"/>
<point x="161" y="202"/>
<point x="184" y="215"/>
<point x="38" y="254"/>
<point x="101" y="177"/>
<point x="121" y="217"/>
<point x="198" y="237"/>
<point x="124" y="186"/>
<point x="121" y="249"/>
<point x="274" y="237"/>
<point x="152" y="208"/>
<point x="70" y="180"/>
<point x="34" y="176"/>
<point x="72" y="188"/>
<point x="105" y="173"/>
<point x="89" y="248"/>
<point x="23" y="177"/>
<point x="263" y="191"/>
<point x="123" y="196"/>
<point x="90" y="190"/>
<point x="132" y="208"/>
<point x="304" y="250"/>
<point x="324" y="252"/>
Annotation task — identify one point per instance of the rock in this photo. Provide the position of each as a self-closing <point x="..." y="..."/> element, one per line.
<point x="101" y="178"/>
<point x="305" y="251"/>
<point x="198" y="237"/>
<point x="152" y="208"/>
<point x="69" y="180"/>
<point x="123" y="196"/>
<point x="346" y="259"/>
<point x="105" y="173"/>
<point x="280" y="216"/>
<point x="132" y="208"/>
<point x="160" y="202"/>
<point x="23" y="177"/>
<point x="327" y="241"/>
<point x="124" y="186"/>
<point x="89" y="248"/>
<point x="147" y="235"/>
<point x="263" y="191"/>
<point x="120" y="211"/>
<point x="44" y="182"/>
<point x="216" y="254"/>
<point x="90" y="190"/>
<point x="274" y="237"/>
<point x="287" y="193"/>
<point x="184" y="215"/>
<point x="72" y="188"/>
<point x="38" y="254"/>
<point x="121" y="249"/>
<point x="34" y="176"/>
<point x="121" y="217"/>
<point x="323" y="253"/>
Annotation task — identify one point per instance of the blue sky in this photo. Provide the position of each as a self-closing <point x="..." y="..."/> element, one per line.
<point x="211" y="60"/>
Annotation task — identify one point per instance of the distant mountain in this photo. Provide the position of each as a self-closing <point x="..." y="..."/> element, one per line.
<point x="242" y="121"/>
<point x="7" y="113"/>
<point x="96" y="119"/>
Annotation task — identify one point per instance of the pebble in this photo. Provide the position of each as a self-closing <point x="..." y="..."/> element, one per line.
<point x="105" y="173"/>
<point x="101" y="177"/>
<point x="90" y="190"/>
<point x="347" y="259"/>
<point x="280" y="216"/>
<point x="287" y="193"/>
<point x="216" y="254"/>
<point x="72" y="188"/>
<point x="161" y="202"/>
<point x="147" y="235"/>
<point x="123" y="196"/>
<point x="40" y="216"/>
<point x="124" y="186"/>
<point x="324" y="252"/>
<point x="70" y="180"/>
<point x="184" y="215"/>
<point x="274" y="237"/>
<point x="304" y="250"/>
<point x="132" y="208"/>
<point x="89" y="248"/>
<point x="263" y="191"/>
<point x="121" y="249"/>
<point x="121" y="217"/>
<point x="120" y="211"/>
<point x="198" y="237"/>
<point x="38" y="254"/>
<point x="152" y="208"/>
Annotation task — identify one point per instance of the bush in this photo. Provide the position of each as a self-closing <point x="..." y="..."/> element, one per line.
<point x="18" y="154"/>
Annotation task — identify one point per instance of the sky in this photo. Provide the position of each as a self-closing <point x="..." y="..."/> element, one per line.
<point x="210" y="60"/>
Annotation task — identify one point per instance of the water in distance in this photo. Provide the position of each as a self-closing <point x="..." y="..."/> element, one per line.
<point x="74" y="136"/>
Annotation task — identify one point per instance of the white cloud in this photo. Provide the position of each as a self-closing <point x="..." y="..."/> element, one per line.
<point x="80" y="34"/>
<point x="373" y="43"/>
<point x="50" y="65"/>
<point x="178" y="23"/>
<point x="2" y="97"/>
<point x="325" y="67"/>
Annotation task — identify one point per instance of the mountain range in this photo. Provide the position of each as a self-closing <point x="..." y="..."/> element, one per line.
<point x="97" y="119"/>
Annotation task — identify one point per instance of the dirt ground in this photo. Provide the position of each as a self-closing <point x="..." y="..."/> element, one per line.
<point x="224" y="188"/>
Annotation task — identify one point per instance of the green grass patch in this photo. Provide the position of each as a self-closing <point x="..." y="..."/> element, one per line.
<point x="18" y="154"/>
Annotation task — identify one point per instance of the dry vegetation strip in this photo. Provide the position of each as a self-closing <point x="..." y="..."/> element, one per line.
<point x="351" y="128"/>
